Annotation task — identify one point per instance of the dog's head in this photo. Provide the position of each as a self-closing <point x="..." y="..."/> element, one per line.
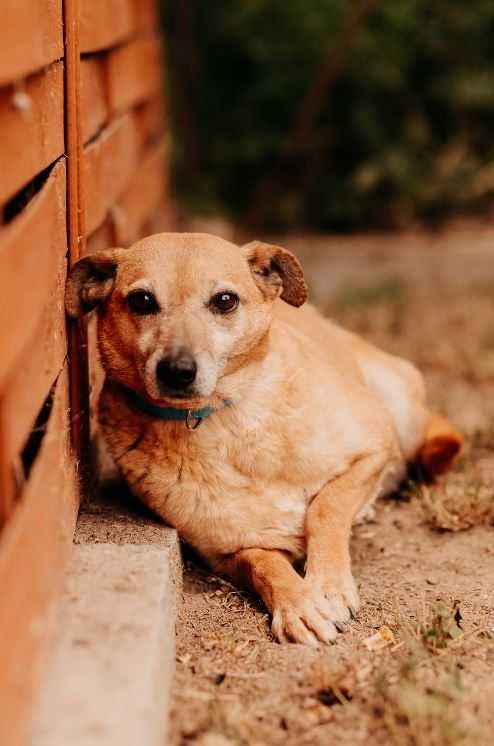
<point x="177" y="312"/>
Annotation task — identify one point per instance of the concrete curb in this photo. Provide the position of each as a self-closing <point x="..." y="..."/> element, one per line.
<point x="108" y="678"/>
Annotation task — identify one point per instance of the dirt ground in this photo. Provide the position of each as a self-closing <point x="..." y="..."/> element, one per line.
<point x="417" y="666"/>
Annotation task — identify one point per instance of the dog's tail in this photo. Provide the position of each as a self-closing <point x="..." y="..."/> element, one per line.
<point x="442" y="447"/>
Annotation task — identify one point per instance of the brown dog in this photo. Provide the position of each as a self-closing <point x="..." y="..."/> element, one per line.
<point x="259" y="431"/>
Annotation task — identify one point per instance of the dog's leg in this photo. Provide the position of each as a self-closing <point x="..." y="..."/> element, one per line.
<point x="298" y="614"/>
<point x="328" y="528"/>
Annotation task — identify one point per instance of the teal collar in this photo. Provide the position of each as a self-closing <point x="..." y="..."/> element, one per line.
<point x="191" y="417"/>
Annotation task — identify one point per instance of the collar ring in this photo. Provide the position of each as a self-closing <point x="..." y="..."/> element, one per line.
<point x="192" y="422"/>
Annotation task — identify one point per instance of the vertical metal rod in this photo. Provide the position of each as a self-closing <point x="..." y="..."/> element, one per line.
<point x="78" y="349"/>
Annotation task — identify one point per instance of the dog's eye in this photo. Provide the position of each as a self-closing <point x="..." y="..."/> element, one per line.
<point x="224" y="302"/>
<point x="142" y="302"/>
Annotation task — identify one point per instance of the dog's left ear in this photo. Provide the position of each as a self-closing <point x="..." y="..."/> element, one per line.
<point x="277" y="272"/>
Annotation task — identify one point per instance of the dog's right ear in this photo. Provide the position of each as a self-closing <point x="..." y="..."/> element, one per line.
<point x="91" y="281"/>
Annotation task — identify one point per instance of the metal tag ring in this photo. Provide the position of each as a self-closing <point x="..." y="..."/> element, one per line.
<point x="191" y="422"/>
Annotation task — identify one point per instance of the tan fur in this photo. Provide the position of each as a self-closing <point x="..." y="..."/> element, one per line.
<point x="320" y="421"/>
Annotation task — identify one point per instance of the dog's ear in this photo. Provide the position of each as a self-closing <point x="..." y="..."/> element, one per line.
<point x="277" y="272"/>
<point x="91" y="281"/>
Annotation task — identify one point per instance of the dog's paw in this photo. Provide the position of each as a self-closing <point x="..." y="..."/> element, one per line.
<point x="304" y="617"/>
<point x="366" y="515"/>
<point x="341" y="596"/>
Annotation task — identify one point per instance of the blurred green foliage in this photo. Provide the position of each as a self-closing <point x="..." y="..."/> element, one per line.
<point x="405" y="132"/>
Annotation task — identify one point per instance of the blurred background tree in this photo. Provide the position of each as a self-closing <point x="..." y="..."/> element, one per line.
<point x="331" y="114"/>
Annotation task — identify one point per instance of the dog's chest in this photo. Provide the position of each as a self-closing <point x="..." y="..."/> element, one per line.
<point x="244" y="478"/>
<point x="222" y="493"/>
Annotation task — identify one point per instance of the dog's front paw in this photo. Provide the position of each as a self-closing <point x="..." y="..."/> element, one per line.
<point x="303" y="616"/>
<point x="341" y="596"/>
<point x="366" y="515"/>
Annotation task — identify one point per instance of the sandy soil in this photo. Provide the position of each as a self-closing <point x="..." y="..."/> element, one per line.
<point x="416" y="668"/>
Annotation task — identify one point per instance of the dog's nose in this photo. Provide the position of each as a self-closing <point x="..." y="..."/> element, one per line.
<point x="176" y="373"/>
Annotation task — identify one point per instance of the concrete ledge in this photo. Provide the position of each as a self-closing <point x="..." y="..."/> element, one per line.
<point x="109" y="675"/>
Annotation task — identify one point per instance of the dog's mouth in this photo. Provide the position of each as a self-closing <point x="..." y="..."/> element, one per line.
<point x="175" y="400"/>
<point x="186" y="399"/>
<point x="176" y="396"/>
<point x="179" y="398"/>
